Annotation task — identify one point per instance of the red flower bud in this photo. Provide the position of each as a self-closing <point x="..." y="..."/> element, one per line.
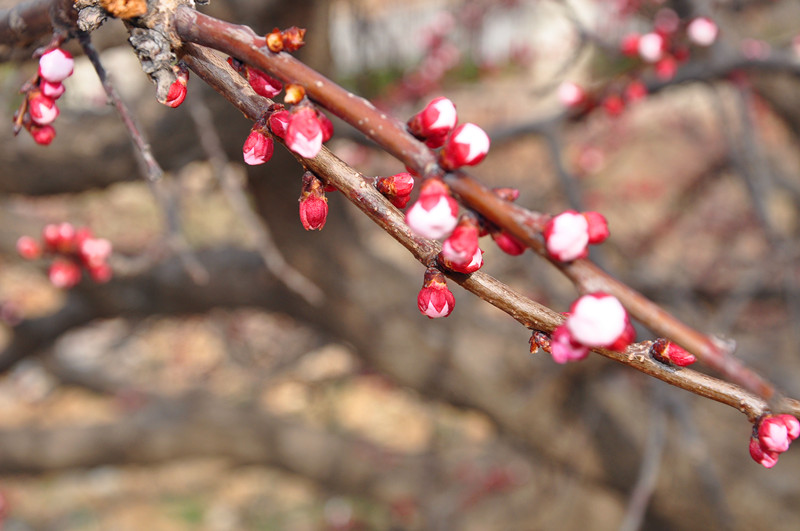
<point x="597" y="227"/>
<point x="43" y="135"/>
<point x="467" y="145"/>
<point x="64" y="274"/>
<point x="258" y="147"/>
<point x="434" y="214"/>
<point x="59" y="238"/>
<point x="51" y="90"/>
<point x="278" y="122"/>
<point x="567" y="236"/>
<point x="28" y="248"/>
<point x="396" y="188"/>
<point x="43" y="110"/>
<point x="666" y="351"/>
<point x="56" y="65"/>
<point x="435" y="299"/>
<point x="434" y="121"/>
<point x="508" y="243"/>
<point x="313" y="203"/>
<point x="176" y="94"/>
<point x="304" y="132"/>
<point x="765" y="458"/>
<point x="263" y="84"/>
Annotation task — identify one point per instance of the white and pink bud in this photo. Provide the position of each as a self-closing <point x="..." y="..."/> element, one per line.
<point x="94" y="251"/>
<point x="313" y="203"/>
<point x="435" y="214"/>
<point x="396" y="188"/>
<point x="702" y="31"/>
<point x="258" y="146"/>
<point x="59" y="237"/>
<point x="599" y="320"/>
<point x="28" y="248"/>
<point x="773" y="434"/>
<point x="571" y="95"/>
<point x="564" y="348"/>
<point x="666" y="351"/>
<point x="43" y="110"/>
<point x="765" y="458"/>
<point x="43" y="134"/>
<point x="460" y="251"/>
<point x="467" y="145"/>
<point x="651" y="47"/>
<point x="51" y="90"/>
<point x="304" y="132"/>
<point x="435" y="299"/>
<point x="263" y="84"/>
<point x="64" y="274"/>
<point x="56" y="65"/>
<point x="567" y="236"/>
<point x="437" y="119"/>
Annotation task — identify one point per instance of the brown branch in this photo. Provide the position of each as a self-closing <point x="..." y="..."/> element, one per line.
<point x="214" y="71"/>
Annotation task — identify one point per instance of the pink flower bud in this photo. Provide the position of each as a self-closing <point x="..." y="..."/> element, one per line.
<point x="43" y="135"/>
<point x="28" y="248"/>
<point x="304" y="132"/>
<point x="571" y="95"/>
<point x="434" y="121"/>
<point x="563" y="348"/>
<point x="773" y="434"/>
<point x="651" y="47"/>
<point x="263" y="84"/>
<point x="508" y="243"/>
<point x="666" y="351"/>
<point x="597" y="227"/>
<point x="43" y="110"/>
<point x="666" y="68"/>
<point x="56" y="65"/>
<point x="467" y="145"/>
<point x="702" y="31"/>
<point x="94" y="251"/>
<point x="100" y="273"/>
<point x="792" y="425"/>
<point x="613" y="105"/>
<point x="434" y="299"/>
<point x="313" y="203"/>
<point x="59" y="238"/>
<point x="763" y="457"/>
<point x="396" y="188"/>
<point x="567" y="236"/>
<point x="278" y="122"/>
<point x="51" y="90"/>
<point x="434" y="214"/>
<point x="326" y="125"/>
<point x="635" y="91"/>
<point x="630" y="45"/>
<point x="460" y="250"/>
<point x="597" y="320"/>
<point x="64" y="274"/>
<point x="258" y="147"/>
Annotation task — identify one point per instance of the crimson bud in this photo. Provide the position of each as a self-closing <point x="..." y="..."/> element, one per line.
<point x="435" y="299"/>
<point x="313" y="203"/>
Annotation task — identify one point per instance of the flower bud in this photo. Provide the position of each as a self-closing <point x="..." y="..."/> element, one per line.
<point x="313" y="203"/>
<point x="651" y="47"/>
<point x="435" y="299"/>
<point x="597" y="320"/>
<point x="278" y="122"/>
<point x="43" y="110"/>
<point x="571" y="95"/>
<point x="396" y="188"/>
<point x="56" y="65"/>
<point x="467" y="145"/>
<point x="28" y="248"/>
<point x="258" y="147"/>
<point x="176" y="93"/>
<point x="613" y="104"/>
<point x="564" y="349"/>
<point x="630" y="45"/>
<point x="94" y="251"/>
<point x="567" y="236"/>
<point x="43" y="135"/>
<point x="702" y="31"/>
<point x="100" y="273"/>
<point x="326" y="125"/>
<point x="436" y="120"/>
<point x="635" y="91"/>
<point x="64" y="274"/>
<point x="765" y="458"/>
<point x="792" y="425"/>
<point x="773" y="434"/>
<point x="508" y="243"/>
<point x="666" y="351"/>
<point x="434" y="214"/>
<point x="666" y="68"/>
<point x="460" y="251"/>
<point x="51" y="90"/>
<point x="304" y="132"/>
<point x="263" y="84"/>
<point x="59" y="238"/>
<point x="597" y="227"/>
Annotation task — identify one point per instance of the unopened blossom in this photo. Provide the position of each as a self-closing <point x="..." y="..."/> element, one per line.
<point x="28" y="248"/>
<point x="460" y="251"/>
<point x="508" y="243"/>
<point x="765" y="458"/>
<point x="651" y="47"/>
<point x="467" y="145"/>
<point x="567" y="236"/>
<point x="773" y="434"/>
<point x="434" y="214"/>
<point x="630" y="44"/>
<point x="435" y="299"/>
<point x="263" y="84"/>
<point x="437" y="119"/>
<point x="313" y="203"/>
<point x="64" y="274"/>
<point x="43" y="110"/>
<point x="666" y="68"/>
<point x="94" y="251"/>
<point x="597" y="228"/>
<point x="42" y="134"/>
<point x="56" y="65"/>
<point x="51" y="90"/>
<point x="258" y="147"/>
<point x="176" y="93"/>
<point x="702" y="31"/>
<point x="278" y="122"/>
<point x="571" y="94"/>
<point x="598" y="320"/>
<point x="396" y="188"/>
<point x="564" y="348"/>
<point x="59" y="237"/>
<point x="304" y="132"/>
<point x="666" y="351"/>
<point x="635" y="91"/>
<point x="326" y="125"/>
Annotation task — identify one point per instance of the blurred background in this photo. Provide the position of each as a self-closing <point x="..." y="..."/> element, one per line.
<point x="195" y="391"/>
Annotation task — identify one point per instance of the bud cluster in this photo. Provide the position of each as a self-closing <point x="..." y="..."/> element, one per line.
<point x="772" y="435"/>
<point x="568" y="235"/>
<point x="39" y="109"/>
<point x="73" y="250"/>
<point x="597" y="320"/>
